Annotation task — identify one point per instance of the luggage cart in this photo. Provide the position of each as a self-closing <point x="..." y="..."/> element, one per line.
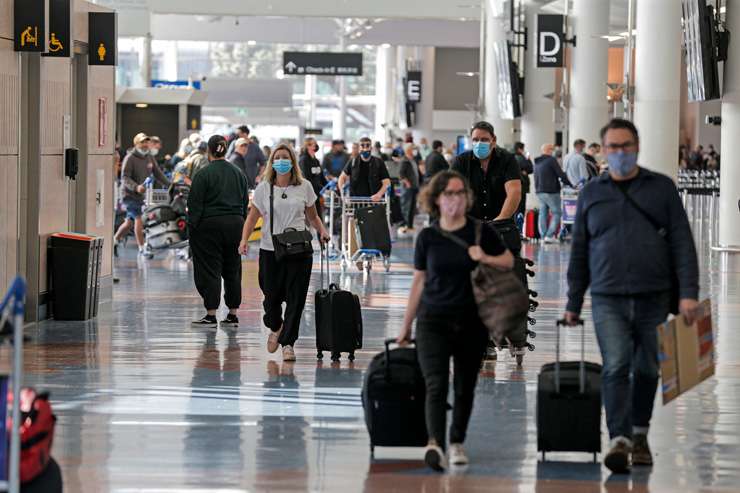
<point x="363" y="257"/>
<point x="159" y="196"/>
<point x="12" y="308"/>
<point x="569" y="204"/>
<point x="331" y="199"/>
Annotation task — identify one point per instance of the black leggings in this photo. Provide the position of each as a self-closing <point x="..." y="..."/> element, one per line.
<point x="285" y="281"/>
<point x="215" y="246"/>
<point x="439" y="338"/>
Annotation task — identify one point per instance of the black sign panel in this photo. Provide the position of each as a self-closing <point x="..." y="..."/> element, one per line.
<point x="305" y="63"/>
<point x="550" y="40"/>
<point x="30" y="25"/>
<point x="313" y="131"/>
<point x="413" y="87"/>
<point x="60" y="28"/>
<point x="194" y="115"/>
<point x="102" y="37"/>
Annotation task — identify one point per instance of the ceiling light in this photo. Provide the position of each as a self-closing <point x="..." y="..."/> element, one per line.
<point x="142" y="105"/>
<point x="251" y="42"/>
<point x="463" y="19"/>
<point x="385" y="45"/>
<point x="468" y="74"/>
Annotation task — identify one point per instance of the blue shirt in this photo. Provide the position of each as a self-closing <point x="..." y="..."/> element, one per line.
<point x="617" y="251"/>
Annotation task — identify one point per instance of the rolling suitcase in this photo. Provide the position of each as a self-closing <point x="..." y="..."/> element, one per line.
<point x="569" y="404"/>
<point x="530" y="225"/>
<point x="372" y="224"/>
<point x="393" y="397"/>
<point x="338" y="318"/>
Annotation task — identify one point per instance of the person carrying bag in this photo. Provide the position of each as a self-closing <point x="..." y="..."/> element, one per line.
<point x="286" y="202"/>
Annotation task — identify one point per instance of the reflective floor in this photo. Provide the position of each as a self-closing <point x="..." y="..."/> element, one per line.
<point x="146" y="403"/>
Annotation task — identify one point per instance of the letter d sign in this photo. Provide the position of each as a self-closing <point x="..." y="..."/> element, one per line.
<point x="550" y="40"/>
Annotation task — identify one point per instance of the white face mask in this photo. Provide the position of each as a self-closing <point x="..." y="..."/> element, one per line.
<point x="142" y="151"/>
<point x="154" y="151"/>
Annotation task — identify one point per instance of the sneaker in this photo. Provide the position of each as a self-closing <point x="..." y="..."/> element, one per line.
<point x="435" y="458"/>
<point x="208" y="321"/>
<point x="288" y="353"/>
<point x="641" y="455"/>
<point x="618" y="457"/>
<point x="550" y="239"/>
<point x="272" y="341"/>
<point x="457" y="455"/>
<point x="491" y="354"/>
<point x="230" y="321"/>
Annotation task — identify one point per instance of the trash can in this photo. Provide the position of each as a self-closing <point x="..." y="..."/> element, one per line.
<point x="75" y="261"/>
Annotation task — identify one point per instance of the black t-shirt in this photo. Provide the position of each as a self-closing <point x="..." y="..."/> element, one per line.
<point x="362" y="187"/>
<point x="489" y="188"/>
<point x="448" y="266"/>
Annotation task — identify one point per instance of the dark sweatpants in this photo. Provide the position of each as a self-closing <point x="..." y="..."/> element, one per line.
<point x="215" y="246"/>
<point x="285" y="281"/>
<point x="439" y="337"/>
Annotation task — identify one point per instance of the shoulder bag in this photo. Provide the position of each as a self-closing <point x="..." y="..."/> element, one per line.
<point x="501" y="298"/>
<point x="290" y="243"/>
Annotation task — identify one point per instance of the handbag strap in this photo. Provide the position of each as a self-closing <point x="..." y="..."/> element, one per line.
<point x="272" y="212"/>
<point x="456" y="239"/>
<point x="660" y="229"/>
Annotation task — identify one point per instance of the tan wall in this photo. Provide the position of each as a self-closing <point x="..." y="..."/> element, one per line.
<point x="9" y="97"/>
<point x="6" y="19"/>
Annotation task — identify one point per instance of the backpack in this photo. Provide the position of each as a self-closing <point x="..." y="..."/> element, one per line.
<point x="37" y="433"/>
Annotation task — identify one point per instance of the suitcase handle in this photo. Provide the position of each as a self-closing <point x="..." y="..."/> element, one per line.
<point x="324" y="251"/>
<point x="582" y="366"/>
<point x="387" y="344"/>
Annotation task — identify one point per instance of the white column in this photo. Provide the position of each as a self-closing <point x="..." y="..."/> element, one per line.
<point x="340" y="122"/>
<point x="729" y="216"/>
<point x="658" y="83"/>
<point x="385" y="86"/>
<point x="495" y="31"/>
<point x="537" y="122"/>
<point x="310" y="101"/>
<point x="425" y="109"/>
<point x="589" y="108"/>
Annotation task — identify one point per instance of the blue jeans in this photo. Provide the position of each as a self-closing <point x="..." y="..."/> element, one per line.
<point x="549" y="202"/>
<point x="626" y="328"/>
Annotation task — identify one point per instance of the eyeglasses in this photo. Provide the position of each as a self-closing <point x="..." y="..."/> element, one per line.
<point x="455" y="193"/>
<point x="611" y="147"/>
<point x="365" y="146"/>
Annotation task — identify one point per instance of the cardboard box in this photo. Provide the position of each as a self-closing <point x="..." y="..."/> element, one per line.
<point x="686" y="352"/>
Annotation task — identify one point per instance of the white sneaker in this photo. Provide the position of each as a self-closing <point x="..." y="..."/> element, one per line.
<point x="549" y="239"/>
<point x="288" y="353"/>
<point x="456" y="455"/>
<point x="435" y="458"/>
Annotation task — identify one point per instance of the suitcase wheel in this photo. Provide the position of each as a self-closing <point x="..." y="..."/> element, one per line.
<point x="335" y="356"/>
<point x="320" y="355"/>
<point x="532" y="334"/>
<point x="351" y="356"/>
<point x="532" y="321"/>
<point x="533" y="294"/>
<point x="528" y="261"/>
<point x="530" y="346"/>
<point x="387" y="264"/>
<point x="530" y="273"/>
<point x="519" y="359"/>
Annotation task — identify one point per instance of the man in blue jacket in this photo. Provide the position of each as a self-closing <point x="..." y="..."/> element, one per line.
<point x="631" y="238"/>
<point x="547" y="177"/>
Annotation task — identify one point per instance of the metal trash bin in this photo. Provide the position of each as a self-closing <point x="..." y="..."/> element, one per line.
<point x="75" y="263"/>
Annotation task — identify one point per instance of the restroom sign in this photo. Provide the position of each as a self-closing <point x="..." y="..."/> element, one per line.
<point x="60" y="29"/>
<point x="550" y="40"/>
<point x="102" y="38"/>
<point x="31" y="25"/>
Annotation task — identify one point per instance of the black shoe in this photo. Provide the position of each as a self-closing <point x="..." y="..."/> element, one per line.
<point x="207" y="321"/>
<point x="618" y="457"/>
<point x="230" y="321"/>
<point x="434" y="457"/>
<point x="641" y="455"/>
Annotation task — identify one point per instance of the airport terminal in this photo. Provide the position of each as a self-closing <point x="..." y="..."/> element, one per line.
<point x="369" y="246"/>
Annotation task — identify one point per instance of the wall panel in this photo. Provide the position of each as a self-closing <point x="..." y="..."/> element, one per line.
<point x="102" y="163"/>
<point x="53" y="208"/>
<point x="8" y="219"/>
<point x="9" y="98"/>
<point x="55" y="103"/>
<point x="6" y="19"/>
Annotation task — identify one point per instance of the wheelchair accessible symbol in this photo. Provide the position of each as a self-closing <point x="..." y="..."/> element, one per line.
<point x="54" y="44"/>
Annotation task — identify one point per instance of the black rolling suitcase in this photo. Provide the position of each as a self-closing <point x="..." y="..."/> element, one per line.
<point x="393" y="397"/>
<point x="569" y="404"/>
<point x="338" y="318"/>
<point x="372" y="224"/>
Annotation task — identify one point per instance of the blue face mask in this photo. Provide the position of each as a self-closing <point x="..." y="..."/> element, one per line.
<point x="481" y="149"/>
<point x="365" y="155"/>
<point x="282" y="166"/>
<point x="622" y="163"/>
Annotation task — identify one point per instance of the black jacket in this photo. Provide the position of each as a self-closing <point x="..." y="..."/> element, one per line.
<point x="489" y="189"/>
<point x="219" y="189"/>
<point x="435" y="162"/>
<point x="409" y="171"/>
<point x="311" y="169"/>
<point x="526" y="168"/>
<point x="617" y="251"/>
<point x="548" y="174"/>
<point x="377" y="173"/>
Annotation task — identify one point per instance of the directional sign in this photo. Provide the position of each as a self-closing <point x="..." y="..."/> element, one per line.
<point x="60" y="28"/>
<point x="550" y="40"/>
<point x="31" y="25"/>
<point x="177" y="84"/>
<point x="102" y="38"/>
<point x="306" y="63"/>
<point x="413" y="86"/>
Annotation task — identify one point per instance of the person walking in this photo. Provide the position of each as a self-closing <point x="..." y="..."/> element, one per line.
<point x="409" y="177"/>
<point x="633" y="246"/>
<point x="368" y="175"/>
<point x="447" y="321"/>
<point x="138" y="165"/>
<point x="237" y="158"/>
<point x="526" y="168"/>
<point x="435" y="161"/>
<point x="547" y="178"/>
<point x="576" y="166"/>
<point x="335" y="161"/>
<point x="285" y="200"/>
<point x="242" y="132"/>
<point x="311" y="169"/>
<point x="217" y="206"/>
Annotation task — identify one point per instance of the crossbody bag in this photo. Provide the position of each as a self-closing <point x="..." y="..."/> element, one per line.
<point x="291" y="243"/>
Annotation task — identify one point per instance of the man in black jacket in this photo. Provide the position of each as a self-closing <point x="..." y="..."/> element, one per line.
<point x="409" y="177"/>
<point x="368" y="175"/>
<point x="435" y="161"/>
<point x="526" y="168"/>
<point x="547" y="178"/>
<point x="631" y="239"/>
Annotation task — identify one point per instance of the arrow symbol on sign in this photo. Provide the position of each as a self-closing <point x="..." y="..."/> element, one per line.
<point x="290" y="66"/>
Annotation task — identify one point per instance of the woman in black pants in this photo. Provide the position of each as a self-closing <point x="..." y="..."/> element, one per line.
<point x="217" y="206"/>
<point x="441" y="299"/>
<point x="287" y="280"/>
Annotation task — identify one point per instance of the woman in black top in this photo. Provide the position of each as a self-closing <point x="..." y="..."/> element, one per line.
<point x="442" y="301"/>
<point x="311" y="169"/>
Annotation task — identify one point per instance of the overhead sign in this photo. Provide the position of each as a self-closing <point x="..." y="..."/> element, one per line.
<point x="307" y="63"/>
<point x="60" y="28"/>
<point x="313" y="131"/>
<point x="413" y="86"/>
<point x="177" y="84"/>
<point x="102" y="37"/>
<point x="550" y="37"/>
<point x="31" y="25"/>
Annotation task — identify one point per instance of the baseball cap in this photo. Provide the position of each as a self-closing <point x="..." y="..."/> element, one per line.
<point x="155" y="139"/>
<point x="241" y="141"/>
<point x="141" y="137"/>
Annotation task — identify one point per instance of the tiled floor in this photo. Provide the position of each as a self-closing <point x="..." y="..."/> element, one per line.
<point x="145" y="403"/>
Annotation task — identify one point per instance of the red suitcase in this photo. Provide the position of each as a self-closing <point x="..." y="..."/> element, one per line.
<point x="530" y="224"/>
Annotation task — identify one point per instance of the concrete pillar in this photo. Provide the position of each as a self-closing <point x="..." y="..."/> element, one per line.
<point x="729" y="215"/>
<point x="340" y="122"/>
<point x="310" y="101"/>
<point x="425" y="109"/>
<point x="658" y="83"/>
<point x="385" y="87"/>
<point x="537" y="122"/>
<point x="495" y="31"/>
<point x="589" y="108"/>
<point x="146" y="61"/>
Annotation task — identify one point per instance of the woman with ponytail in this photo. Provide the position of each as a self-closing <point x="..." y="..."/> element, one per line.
<point x="217" y="207"/>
